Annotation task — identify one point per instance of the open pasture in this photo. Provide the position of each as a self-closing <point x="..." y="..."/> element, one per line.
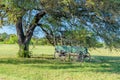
<point x="105" y="65"/>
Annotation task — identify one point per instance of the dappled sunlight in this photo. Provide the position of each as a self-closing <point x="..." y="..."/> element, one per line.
<point x="105" y="52"/>
<point x="43" y="65"/>
<point x="59" y="40"/>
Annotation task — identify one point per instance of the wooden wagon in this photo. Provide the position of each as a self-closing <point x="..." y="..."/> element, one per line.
<point x="78" y="53"/>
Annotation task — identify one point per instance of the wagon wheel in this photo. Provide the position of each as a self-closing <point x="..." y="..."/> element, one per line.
<point x="81" y="57"/>
<point x="56" y="54"/>
<point x="87" y="57"/>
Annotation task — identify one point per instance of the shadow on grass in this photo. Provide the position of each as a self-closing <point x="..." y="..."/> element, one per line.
<point x="106" y="64"/>
<point x="97" y="64"/>
<point x="34" y="60"/>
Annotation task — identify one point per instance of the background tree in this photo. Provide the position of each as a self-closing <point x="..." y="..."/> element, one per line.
<point x="3" y="37"/>
<point x="16" y="12"/>
<point x="100" y="17"/>
<point x="97" y="16"/>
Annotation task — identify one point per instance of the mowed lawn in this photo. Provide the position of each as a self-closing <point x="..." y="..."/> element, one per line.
<point x="105" y="65"/>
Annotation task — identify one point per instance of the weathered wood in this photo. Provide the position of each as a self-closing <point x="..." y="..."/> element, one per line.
<point x="72" y="51"/>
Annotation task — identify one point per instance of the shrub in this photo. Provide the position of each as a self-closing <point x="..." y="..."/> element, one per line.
<point x="11" y="40"/>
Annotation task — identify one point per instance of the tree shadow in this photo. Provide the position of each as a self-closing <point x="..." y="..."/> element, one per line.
<point x="34" y="60"/>
<point x="109" y="64"/>
<point x="98" y="64"/>
<point x="106" y="63"/>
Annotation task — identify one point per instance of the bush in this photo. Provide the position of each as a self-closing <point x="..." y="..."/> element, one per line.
<point x="42" y="41"/>
<point x="11" y="40"/>
<point x="3" y="37"/>
<point x="99" y="45"/>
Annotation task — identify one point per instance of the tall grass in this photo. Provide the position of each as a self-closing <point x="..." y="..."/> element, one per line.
<point x="105" y="65"/>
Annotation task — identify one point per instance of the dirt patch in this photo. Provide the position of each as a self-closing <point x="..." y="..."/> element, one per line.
<point x="2" y="79"/>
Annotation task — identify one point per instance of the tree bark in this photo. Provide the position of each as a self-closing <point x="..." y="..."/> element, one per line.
<point x="24" y="40"/>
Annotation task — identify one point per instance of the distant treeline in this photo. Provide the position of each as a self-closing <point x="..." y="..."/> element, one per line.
<point x="12" y="39"/>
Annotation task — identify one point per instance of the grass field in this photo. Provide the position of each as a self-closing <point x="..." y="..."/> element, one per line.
<point x="105" y="65"/>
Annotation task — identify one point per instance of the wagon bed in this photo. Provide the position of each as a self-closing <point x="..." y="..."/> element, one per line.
<point x="78" y="51"/>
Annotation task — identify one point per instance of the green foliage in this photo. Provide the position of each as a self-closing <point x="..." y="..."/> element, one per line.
<point x="3" y="37"/>
<point x="96" y="12"/>
<point x="99" y="45"/>
<point x="81" y="36"/>
<point x="23" y="53"/>
<point x="8" y="39"/>
<point x="17" y="8"/>
<point x="12" y="39"/>
<point x="41" y="41"/>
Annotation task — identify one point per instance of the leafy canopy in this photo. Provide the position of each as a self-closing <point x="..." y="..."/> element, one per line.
<point x="100" y="17"/>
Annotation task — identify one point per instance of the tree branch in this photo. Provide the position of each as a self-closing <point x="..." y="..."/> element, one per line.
<point x="48" y="36"/>
<point x="33" y="25"/>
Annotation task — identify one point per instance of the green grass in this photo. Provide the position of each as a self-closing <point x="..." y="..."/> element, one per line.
<point x="105" y="65"/>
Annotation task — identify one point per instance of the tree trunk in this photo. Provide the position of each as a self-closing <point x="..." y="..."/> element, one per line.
<point x="24" y="40"/>
<point x="24" y="51"/>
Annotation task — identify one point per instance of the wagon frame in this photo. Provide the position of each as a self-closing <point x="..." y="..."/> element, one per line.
<point x="78" y="52"/>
